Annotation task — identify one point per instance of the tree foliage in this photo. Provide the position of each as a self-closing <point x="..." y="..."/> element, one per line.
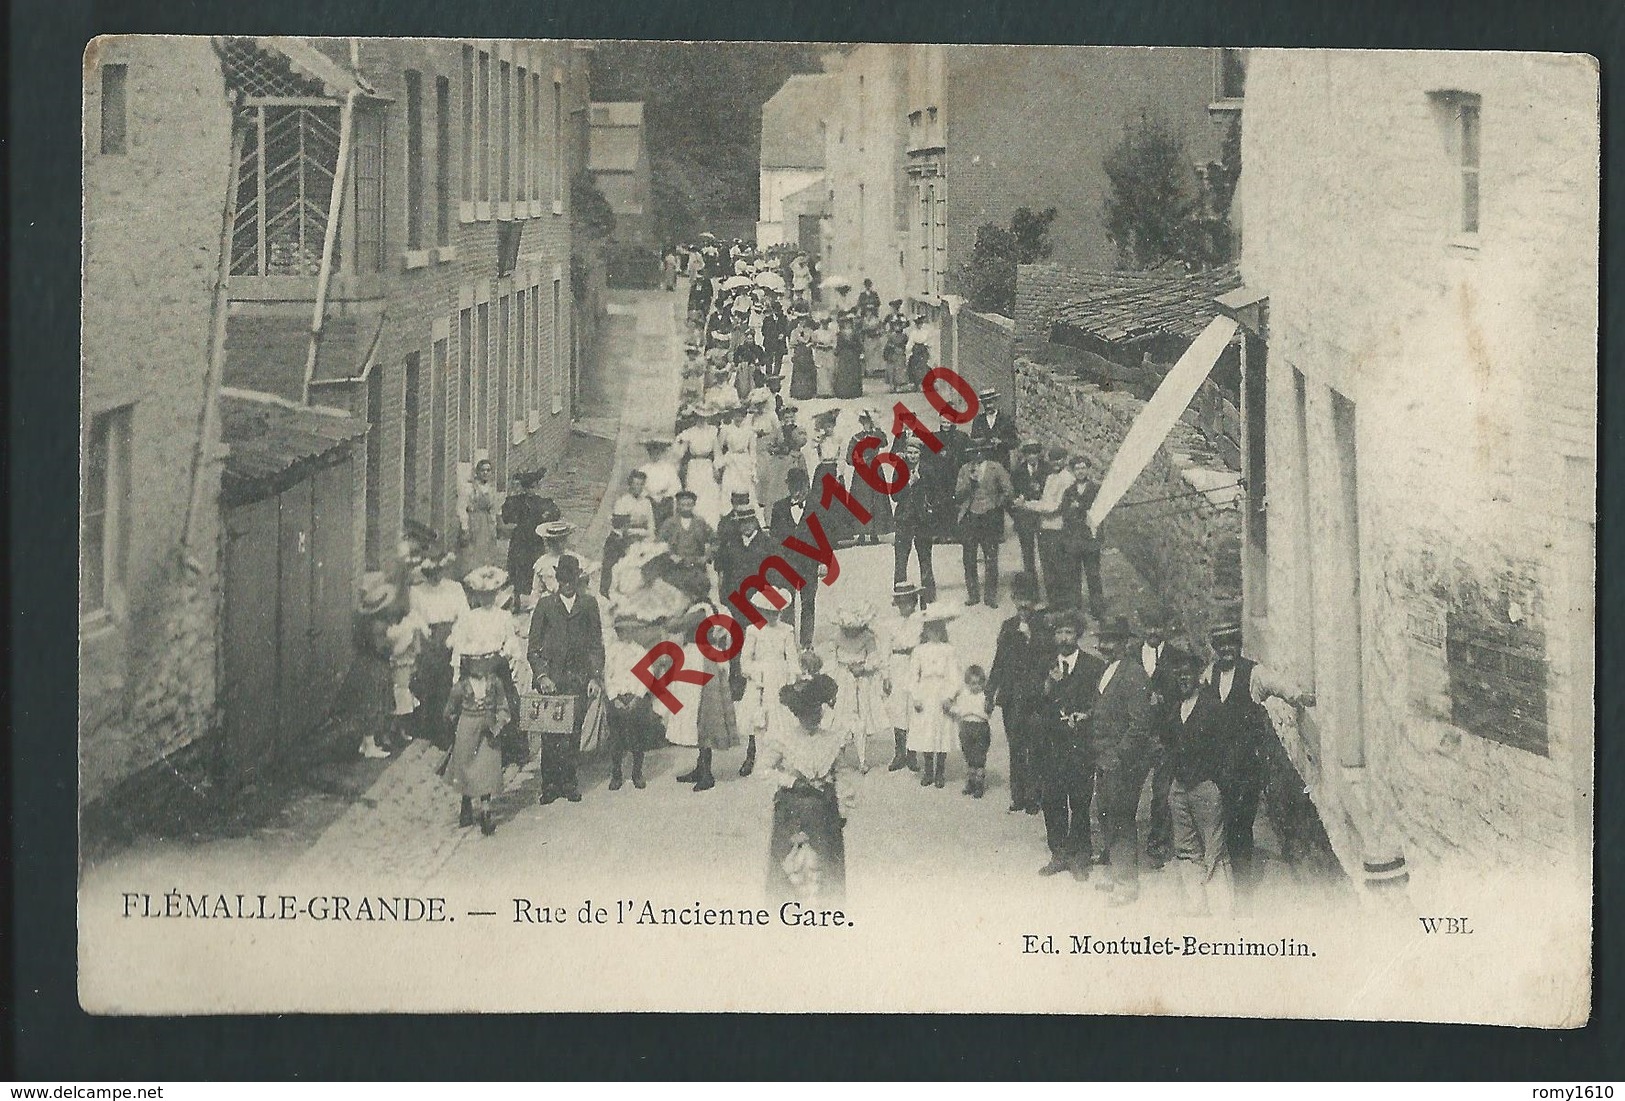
<point x="988" y="275"/>
<point x="702" y="118"/>
<point x="1161" y="208"/>
<point x="590" y="208"/>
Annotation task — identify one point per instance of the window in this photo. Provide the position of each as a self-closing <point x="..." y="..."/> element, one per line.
<point x="482" y="191"/>
<point x="504" y="381"/>
<point x="442" y="161"/>
<point x="536" y="347"/>
<point x="414" y="160"/>
<point x="410" y="411"/>
<point x="536" y="130"/>
<point x="1229" y="74"/>
<point x="505" y="131"/>
<point x="521" y="139"/>
<point x="558" y="344"/>
<point x="465" y="387"/>
<point x="284" y="188"/>
<point x="558" y="146"/>
<point x="114" y="109"/>
<point x="369" y="193"/>
<point x="521" y="379"/>
<point x="469" y="138"/>
<point x="1458" y="114"/>
<point x="482" y="374"/>
<point x="105" y="509"/>
<point x="440" y="396"/>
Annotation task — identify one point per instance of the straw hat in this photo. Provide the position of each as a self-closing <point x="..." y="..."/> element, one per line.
<point x="376" y="593"/>
<point x="486" y="579"/>
<point x="555" y="529"/>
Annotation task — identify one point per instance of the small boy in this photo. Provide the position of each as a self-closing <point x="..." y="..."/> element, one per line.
<point x="969" y="706"/>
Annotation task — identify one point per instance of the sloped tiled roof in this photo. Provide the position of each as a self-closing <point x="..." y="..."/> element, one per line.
<point x="1122" y="306"/>
<point x="268" y="438"/>
<point x="268" y="354"/>
<point x="791" y="134"/>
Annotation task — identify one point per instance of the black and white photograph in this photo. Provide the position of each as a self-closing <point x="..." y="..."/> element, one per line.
<point x="802" y="527"/>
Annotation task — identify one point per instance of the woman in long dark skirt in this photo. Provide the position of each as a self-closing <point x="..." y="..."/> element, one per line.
<point x="803" y="368"/>
<point x="878" y="504"/>
<point x="848" y="381"/>
<point x="806" y="758"/>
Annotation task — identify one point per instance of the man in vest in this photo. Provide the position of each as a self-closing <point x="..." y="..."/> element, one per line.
<point x="1236" y="689"/>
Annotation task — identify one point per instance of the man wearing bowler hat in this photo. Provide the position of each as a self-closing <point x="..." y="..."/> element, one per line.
<point x="566" y="653"/>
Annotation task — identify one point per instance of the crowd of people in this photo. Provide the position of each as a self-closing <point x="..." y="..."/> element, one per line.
<point x="740" y="473"/>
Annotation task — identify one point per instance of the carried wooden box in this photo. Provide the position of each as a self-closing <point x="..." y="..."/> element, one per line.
<point x="539" y="714"/>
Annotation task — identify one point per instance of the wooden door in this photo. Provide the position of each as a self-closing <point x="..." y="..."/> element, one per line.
<point x="295" y="632"/>
<point x="332" y="583"/>
<point x="249" y="666"/>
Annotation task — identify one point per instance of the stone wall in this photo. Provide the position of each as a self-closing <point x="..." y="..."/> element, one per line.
<point x="1185" y="539"/>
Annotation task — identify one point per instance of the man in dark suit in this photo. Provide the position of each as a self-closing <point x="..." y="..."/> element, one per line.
<point x="994" y="427"/>
<point x="1066" y="750"/>
<point x="566" y="652"/>
<point x="1161" y="661"/>
<point x="916" y="511"/>
<point x="1027" y="482"/>
<point x="1015" y="684"/>
<point x="788" y="518"/>
<point x="1126" y="735"/>
<point x="741" y="546"/>
<point x="1082" y="542"/>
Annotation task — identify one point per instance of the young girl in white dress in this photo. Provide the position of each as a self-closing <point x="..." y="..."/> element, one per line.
<point x="934" y="679"/>
<point x="769" y="661"/>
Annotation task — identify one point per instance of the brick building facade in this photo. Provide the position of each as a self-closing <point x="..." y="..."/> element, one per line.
<point x="1421" y="300"/>
<point x="458" y="279"/>
<point x="398" y="303"/>
<point x="154" y="110"/>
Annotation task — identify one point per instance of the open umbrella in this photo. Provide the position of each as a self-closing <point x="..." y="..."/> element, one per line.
<point x="737" y="282"/>
<point x="771" y="280"/>
<point x="835" y="281"/>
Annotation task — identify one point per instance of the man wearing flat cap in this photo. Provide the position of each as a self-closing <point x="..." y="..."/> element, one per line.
<point x="1054" y="551"/>
<point x="994" y="427"/>
<point x="1235" y="689"/>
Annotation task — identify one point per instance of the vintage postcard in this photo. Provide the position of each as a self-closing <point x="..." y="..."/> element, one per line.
<point x="627" y="526"/>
